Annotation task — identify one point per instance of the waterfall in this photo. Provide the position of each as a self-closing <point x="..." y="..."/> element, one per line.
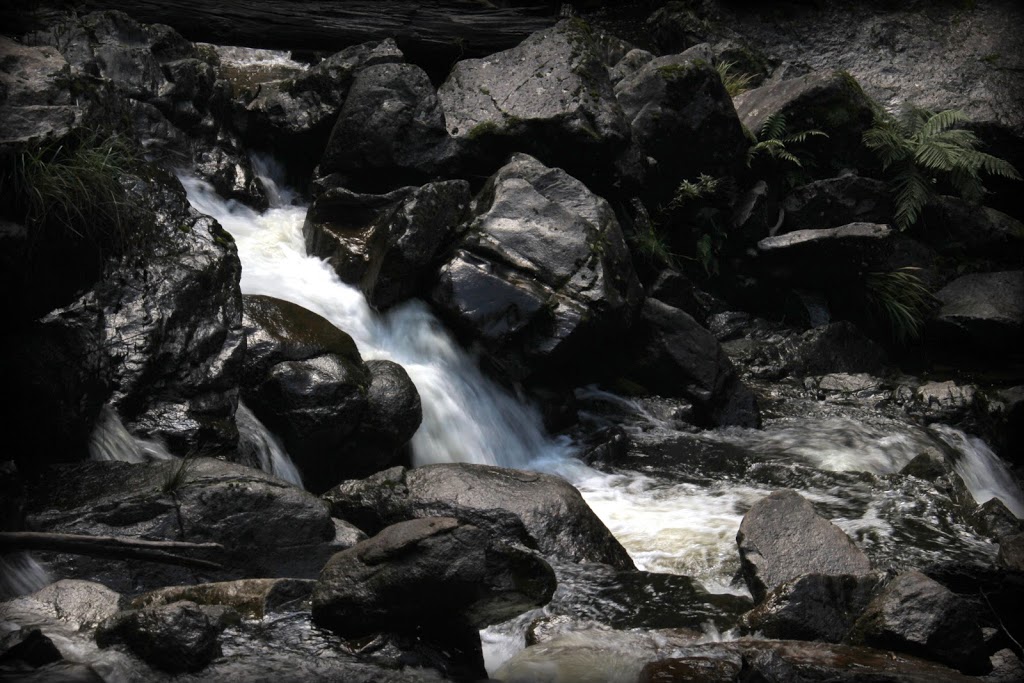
<point x="267" y="449"/>
<point x="111" y="441"/>
<point x="20" y="574"/>
<point x="984" y="474"/>
<point x="466" y="416"/>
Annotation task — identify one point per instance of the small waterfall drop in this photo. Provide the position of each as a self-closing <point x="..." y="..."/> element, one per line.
<point x="111" y="441"/>
<point x="267" y="449"/>
<point x="20" y="574"/>
<point x="984" y="474"/>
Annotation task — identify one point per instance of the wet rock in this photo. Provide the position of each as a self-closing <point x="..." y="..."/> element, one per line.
<point x="985" y="310"/>
<point x="254" y="598"/>
<point x="1011" y="552"/>
<point x="390" y="131"/>
<point x="831" y="102"/>
<point x="781" y="538"/>
<point x="550" y="97"/>
<point x="450" y="567"/>
<point x="1006" y="668"/>
<point x="813" y="607"/>
<point x="58" y="672"/>
<point x="38" y="103"/>
<point x="826" y="257"/>
<point x="80" y="604"/>
<point x="539" y="510"/>
<point x="993" y="519"/>
<point x="198" y="500"/>
<point x="294" y="116"/>
<point x="723" y="669"/>
<point x="927" y="466"/>
<point x="389" y="244"/>
<point x="672" y="355"/>
<point x="682" y="119"/>
<point x="946" y="402"/>
<point x="28" y="646"/>
<point x="542" y="277"/>
<point x="916" y="614"/>
<point x="177" y="638"/>
<point x="834" y="202"/>
<point x="393" y="414"/>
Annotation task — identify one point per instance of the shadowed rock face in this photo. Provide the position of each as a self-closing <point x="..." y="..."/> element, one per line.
<point x="177" y="638"/>
<point x="781" y="538"/>
<point x="983" y="309"/>
<point x="539" y="510"/>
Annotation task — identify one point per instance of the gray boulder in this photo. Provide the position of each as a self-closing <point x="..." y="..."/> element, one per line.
<point x="916" y="614"/>
<point x="388" y="244"/>
<point x="826" y="257"/>
<point x="813" y="607"/>
<point x="428" y="571"/>
<point x="542" y="277"/>
<point x="834" y="202"/>
<point x="982" y="309"/>
<point x="538" y="510"/>
<point x="390" y="131"/>
<point x="550" y="96"/>
<point x="832" y="102"/>
<point x="294" y="115"/>
<point x="682" y="119"/>
<point x="198" y="500"/>
<point x="782" y="538"/>
<point x="672" y="355"/>
<point x="177" y="638"/>
<point x="82" y="605"/>
<point x="953" y="226"/>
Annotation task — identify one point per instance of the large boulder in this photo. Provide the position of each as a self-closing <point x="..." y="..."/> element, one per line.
<point x="826" y="257"/>
<point x="781" y="538"/>
<point x="953" y="226"/>
<point x="389" y="245"/>
<point x="304" y="379"/>
<point x="80" y="605"/>
<point x="985" y="310"/>
<point x="834" y="202"/>
<point x="428" y="571"/>
<point x="542" y="277"/>
<point x="916" y="614"/>
<point x="293" y="116"/>
<point x="198" y="500"/>
<point x="672" y="355"/>
<point x="550" y="96"/>
<point x="177" y="638"/>
<point x="390" y="131"/>
<point x="831" y="102"/>
<point x="539" y="510"/>
<point x="682" y="120"/>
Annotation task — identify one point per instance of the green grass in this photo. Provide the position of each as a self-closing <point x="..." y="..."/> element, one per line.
<point x="735" y="82"/>
<point x="178" y="473"/>
<point x="901" y="299"/>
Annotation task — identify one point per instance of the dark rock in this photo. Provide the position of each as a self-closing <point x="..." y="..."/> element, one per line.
<point x="294" y="116"/>
<point x="834" y="202"/>
<point x="704" y="669"/>
<point x="386" y="244"/>
<point x="542" y="277"/>
<point x="813" y="607"/>
<point x="390" y="131"/>
<point x="199" y="500"/>
<point x="177" y="638"/>
<point x="539" y="510"/>
<point x="550" y="96"/>
<point x="781" y="538"/>
<point x="827" y="257"/>
<point x="58" y="672"/>
<point x="955" y="227"/>
<point x="254" y="598"/>
<point x="926" y="466"/>
<point x="682" y="119"/>
<point x="916" y="614"/>
<point x="985" y="310"/>
<point x="426" y="571"/>
<point x="1011" y="552"/>
<point x="28" y="646"/>
<point x="672" y="355"/>
<point x="37" y="103"/>
<point x="393" y="414"/>
<point x="630" y="63"/>
<point x="830" y="102"/>
<point x="993" y="519"/>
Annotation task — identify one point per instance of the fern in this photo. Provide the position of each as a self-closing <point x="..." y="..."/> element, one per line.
<point x="773" y="138"/>
<point x="922" y="148"/>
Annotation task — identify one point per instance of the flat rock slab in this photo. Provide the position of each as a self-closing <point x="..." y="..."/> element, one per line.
<point x="986" y="309"/>
<point x="781" y="538"/>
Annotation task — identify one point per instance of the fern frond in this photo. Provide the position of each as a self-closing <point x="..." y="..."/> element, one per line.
<point x="889" y="143"/>
<point x="942" y="121"/>
<point x="998" y="167"/>
<point x="938" y="156"/>
<point x="911" y="191"/>
<point x="773" y="128"/>
<point x="803" y="135"/>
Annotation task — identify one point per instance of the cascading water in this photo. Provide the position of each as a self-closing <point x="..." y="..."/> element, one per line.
<point x="267" y="449"/>
<point x="111" y="441"/>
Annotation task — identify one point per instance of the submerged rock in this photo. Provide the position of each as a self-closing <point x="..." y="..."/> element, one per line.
<point x="915" y="614"/>
<point x="781" y="538"/>
<point x="540" y="510"/>
<point x="542" y="277"/>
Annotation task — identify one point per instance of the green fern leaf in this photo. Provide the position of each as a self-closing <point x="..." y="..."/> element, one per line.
<point x="942" y="121"/>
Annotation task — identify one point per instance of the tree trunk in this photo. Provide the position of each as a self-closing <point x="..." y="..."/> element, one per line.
<point x="108" y="546"/>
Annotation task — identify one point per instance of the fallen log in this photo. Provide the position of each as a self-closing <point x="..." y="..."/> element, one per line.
<point x="108" y="546"/>
<point x="459" y="28"/>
